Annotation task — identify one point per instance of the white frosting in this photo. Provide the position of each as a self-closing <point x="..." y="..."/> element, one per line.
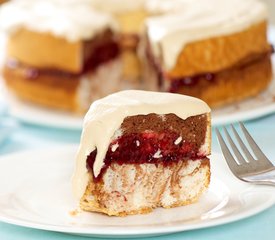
<point x="106" y="115"/>
<point x="61" y="18"/>
<point x="197" y="20"/>
<point x="165" y="6"/>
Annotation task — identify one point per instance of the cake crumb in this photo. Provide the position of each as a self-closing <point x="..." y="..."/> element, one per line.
<point x="73" y="213"/>
<point x="114" y="147"/>
<point x="163" y="117"/>
<point x="178" y="140"/>
<point x="157" y="154"/>
<point x="137" y="143"/>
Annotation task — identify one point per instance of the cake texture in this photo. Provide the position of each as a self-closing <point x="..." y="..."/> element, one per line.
<point x="68" y="64"/>
<point x="142" y="150"/>
<point x="219" y="46"/>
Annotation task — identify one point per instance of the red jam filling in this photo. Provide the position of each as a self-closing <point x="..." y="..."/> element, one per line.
<point x="146" y="147"/>
<point x="101" y="54"/>
<point x="190" y="81"/>
<point x="186" y="81"/>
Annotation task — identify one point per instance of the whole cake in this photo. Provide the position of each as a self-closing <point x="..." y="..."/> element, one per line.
<point x="142" y="150"/>
<point x="60" y="54"/>
<point x="67" y="53"/>
<point x="216" y="50"/>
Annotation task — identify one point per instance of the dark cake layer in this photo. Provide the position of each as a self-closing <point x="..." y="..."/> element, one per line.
<point x="192" y="129"/>
<point x="155" y="139"/>
<point x="97" y="51"/>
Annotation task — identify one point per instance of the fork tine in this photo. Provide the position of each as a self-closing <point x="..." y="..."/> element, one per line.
<point x="235" y="149"/>
<point x="255" y="148"/>
<point x="242" y="145"/>
<point x="227" y="154"/>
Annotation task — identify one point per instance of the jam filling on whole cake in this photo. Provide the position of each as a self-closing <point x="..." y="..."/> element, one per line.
<point x="148" y="139"/>
<point x="178" y="83"/>
<point x="192" y="81"/>
<point x="96" y="52"/>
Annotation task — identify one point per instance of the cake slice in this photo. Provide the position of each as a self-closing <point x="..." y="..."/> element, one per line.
<point x="142" y="150"/>
<point x="216" y="50"/>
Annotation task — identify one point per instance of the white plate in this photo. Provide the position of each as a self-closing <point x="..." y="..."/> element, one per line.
<point x="31" y="113"/>
<point x="259" y="106"/>
<point x="35" y="192"/>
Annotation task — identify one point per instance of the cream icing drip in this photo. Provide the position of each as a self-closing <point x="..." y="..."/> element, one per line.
<point x="59" y="17"/>
<point x="107" y="114"/>
<point x="189" y="21"/>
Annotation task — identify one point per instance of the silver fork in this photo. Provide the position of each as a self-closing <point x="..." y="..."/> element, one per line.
<point x="244" y="166"/>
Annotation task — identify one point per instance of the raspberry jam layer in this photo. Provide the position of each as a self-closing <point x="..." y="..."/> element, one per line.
<point x="176" y="84"/>
<point x="146" y="147"/>
<point x="193" y="81"/>
<point x="210" y="78"/>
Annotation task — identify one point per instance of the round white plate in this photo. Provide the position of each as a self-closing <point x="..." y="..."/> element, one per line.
<point x="259" y="106"/>
<point x="31" y="113"/>
<point x="35" y="192"/>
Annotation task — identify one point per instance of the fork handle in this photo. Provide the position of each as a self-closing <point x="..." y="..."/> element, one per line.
<point x="266" y="178"/>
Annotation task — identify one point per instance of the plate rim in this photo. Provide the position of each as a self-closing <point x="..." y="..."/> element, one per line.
<point x="76" y="122"/>
<point x="131" y="231"/>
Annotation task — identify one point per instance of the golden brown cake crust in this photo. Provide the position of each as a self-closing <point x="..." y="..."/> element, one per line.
<point x="47" y="51"/>
<point x="233" y="84"/>
<point x="49" y="91"/>
<point x="64" y="91"/>
<point x="215" y="54"/>
<point x="97" y="198"/>
<point x="246" y="78"/>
